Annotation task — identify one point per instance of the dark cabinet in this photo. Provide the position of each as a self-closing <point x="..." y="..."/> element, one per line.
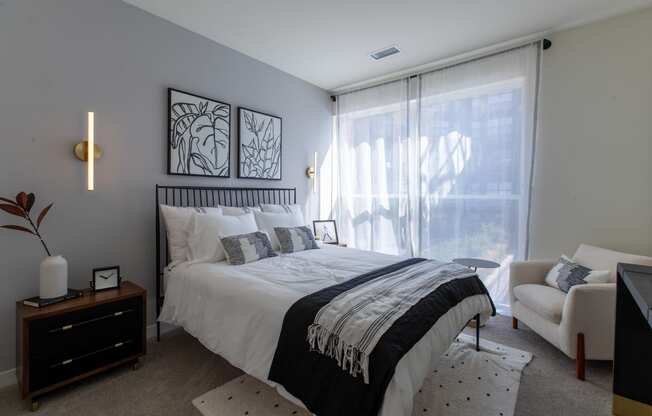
<point x="67" y="342"/>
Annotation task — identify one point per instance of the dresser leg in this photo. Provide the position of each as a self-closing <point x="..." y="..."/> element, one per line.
<point x="34" y="405"/>
<point x="514" y="323"/>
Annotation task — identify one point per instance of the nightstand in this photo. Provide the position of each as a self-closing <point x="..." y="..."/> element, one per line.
<point x="69" y="341"/>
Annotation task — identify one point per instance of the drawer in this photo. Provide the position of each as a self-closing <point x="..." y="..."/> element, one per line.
<point x="46" y="372"/>
<point x="80" y="332"/>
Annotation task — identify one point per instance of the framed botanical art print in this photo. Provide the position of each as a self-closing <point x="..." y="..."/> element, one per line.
<point x="259" y="145"/>
<point x="199" y="139"/>
<point x="326" y="231"/>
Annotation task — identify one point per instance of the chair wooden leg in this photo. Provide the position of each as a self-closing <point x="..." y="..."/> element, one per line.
<point x="581" y="361"/>
<point x="514" y="323"/>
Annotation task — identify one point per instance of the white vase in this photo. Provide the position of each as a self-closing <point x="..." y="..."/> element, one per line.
<point x="53" y="277"/>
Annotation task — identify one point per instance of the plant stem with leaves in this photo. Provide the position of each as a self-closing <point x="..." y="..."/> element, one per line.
<point x="21" y="208"/>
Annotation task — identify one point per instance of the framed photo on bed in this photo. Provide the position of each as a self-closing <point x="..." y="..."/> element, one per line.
<point x="325" y="231"/>
<point x="199" y="135"/>
<point x="260" y="138"/>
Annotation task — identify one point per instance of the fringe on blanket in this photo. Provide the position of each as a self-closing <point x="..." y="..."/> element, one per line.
<point x="347" y="356"/>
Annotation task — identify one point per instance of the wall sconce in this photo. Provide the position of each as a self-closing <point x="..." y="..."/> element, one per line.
<point x="311" y="172"/>
<point x="88" y="151"/>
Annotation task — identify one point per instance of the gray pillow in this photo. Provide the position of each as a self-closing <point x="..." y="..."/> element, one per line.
<point x="245" y="248"/>
<point x="566" y="274"/>
<point x="295" y="239"/>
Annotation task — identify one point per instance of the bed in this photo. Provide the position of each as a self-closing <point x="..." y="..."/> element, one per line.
<point x="238" y="312"/>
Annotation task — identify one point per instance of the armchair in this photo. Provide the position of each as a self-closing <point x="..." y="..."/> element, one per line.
<point x="581" y="322"/>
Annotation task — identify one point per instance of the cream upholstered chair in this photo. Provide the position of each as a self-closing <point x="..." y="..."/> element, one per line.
<point x="580" y="323"/>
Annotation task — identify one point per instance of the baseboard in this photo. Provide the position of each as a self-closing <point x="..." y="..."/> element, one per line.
<point x="7" y="378"/>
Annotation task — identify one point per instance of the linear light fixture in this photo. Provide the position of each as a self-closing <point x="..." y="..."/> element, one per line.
<point x="88" y="151"/>
<point x="91" y="151"/>
<point x="311" y="172"/>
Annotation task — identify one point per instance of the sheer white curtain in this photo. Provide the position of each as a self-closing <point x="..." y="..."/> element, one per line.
<point x="476" y="137"/>
<point x="370" y="153"/>
<point x="440" y="165"/>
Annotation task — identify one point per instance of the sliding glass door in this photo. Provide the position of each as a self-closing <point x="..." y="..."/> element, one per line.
<point x="476" y="125"/>
<point x="440" y="165"/>
<point x="373" y="199"/>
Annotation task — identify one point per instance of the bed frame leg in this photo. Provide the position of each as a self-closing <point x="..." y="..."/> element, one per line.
<point x="477" y="332"/>
<point x="158" y="332"/>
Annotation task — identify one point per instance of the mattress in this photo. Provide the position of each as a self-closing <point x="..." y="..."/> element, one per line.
<point x="237" y="312"/>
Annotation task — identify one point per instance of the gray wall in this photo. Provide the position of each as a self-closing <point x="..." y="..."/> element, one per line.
<point x="59" y="59"/>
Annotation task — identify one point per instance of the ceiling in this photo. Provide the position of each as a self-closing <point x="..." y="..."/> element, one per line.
<point x="327" y="43"/>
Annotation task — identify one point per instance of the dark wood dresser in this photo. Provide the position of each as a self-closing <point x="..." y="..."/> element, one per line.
<point x="633" y="347"/>
<point x="63" y="343"/>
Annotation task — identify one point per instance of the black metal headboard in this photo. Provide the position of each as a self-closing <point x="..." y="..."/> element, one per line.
<point x="202" y="196"/>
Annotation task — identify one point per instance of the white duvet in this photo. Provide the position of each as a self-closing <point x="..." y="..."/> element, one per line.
<point x="237" y="312"/>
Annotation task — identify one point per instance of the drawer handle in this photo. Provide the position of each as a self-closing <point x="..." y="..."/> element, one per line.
<point x="70" y="360"/>
<point x="100" y="318"/>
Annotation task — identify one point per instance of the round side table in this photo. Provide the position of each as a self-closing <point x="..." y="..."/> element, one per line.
<point x="476" y="264"/>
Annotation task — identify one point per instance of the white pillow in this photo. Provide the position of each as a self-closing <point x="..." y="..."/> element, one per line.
<point x="207" y="229"/>
<point x="267" y="221"/>
<point x="238" y="210"/>
<point x="176" y="220"/>
<point x="283" y="209"/>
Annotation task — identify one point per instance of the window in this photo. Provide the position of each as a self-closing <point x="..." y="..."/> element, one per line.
<point x="439" y="165"/>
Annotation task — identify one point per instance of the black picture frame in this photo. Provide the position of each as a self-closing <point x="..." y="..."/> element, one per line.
<point x="173" y="145"/>
<point x="242" y="174"/>
<point x="314" y="228"/>
<point x="101" y="269"/>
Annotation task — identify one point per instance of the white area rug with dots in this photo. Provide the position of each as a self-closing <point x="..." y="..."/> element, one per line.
<point x="466" y="383"/>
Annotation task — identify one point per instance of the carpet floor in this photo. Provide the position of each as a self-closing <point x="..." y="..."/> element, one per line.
<point x="179" y="368"/>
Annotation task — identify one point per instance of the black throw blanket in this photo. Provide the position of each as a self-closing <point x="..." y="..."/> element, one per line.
<point x="320" y="383"/>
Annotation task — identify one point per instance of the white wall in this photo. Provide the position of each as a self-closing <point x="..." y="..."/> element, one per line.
<point x="593" y="172"/>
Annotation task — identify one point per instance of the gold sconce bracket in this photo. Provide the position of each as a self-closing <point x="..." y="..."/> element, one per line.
<point x="81" y="151"/>
<point x="310" y="172"/>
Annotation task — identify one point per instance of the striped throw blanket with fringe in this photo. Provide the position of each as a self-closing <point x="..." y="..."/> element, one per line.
<point x="348" y="328"/>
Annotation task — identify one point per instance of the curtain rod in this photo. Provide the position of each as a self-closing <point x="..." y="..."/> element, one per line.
<point x="443" y="64"/>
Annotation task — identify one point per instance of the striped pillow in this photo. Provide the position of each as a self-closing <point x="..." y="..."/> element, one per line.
<point x="295" y="239"/>
<point x="245" y="248"/>
<point x="566" y="274"/>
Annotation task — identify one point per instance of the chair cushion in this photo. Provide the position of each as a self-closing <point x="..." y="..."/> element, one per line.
<point x="544" y="300"/>
<point x="597" y="258"/>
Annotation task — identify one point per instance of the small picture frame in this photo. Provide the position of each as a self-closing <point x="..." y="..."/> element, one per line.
<point x="105" y="278"/>
<point x="325" y="231"/>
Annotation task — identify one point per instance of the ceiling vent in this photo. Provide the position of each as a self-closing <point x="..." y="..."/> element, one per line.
<point x="384" y="53"/>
